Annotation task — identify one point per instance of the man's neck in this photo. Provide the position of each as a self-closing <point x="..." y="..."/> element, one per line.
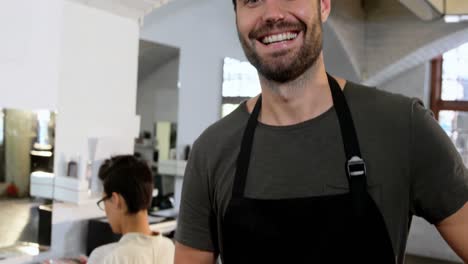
<point x="137" y="223"/>
<point x="297" y="101"/>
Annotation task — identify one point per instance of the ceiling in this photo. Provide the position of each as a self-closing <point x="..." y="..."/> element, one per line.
<point x="154" y="55"/>
<point x="383" y="38"/>
<point x="433" y="9"/>
<point x="423" y="9"/>
<point x="135" y="9"/>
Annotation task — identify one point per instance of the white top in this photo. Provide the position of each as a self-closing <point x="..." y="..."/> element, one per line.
<point x="135" y="248"/>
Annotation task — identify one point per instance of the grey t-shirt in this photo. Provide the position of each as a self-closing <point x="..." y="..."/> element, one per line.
<point x="412" y="166"/>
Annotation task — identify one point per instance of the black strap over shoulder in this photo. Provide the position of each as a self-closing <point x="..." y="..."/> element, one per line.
<point x="348" y="132"/>
<point x="243" y="160"/>
<point x="355" y="166"/>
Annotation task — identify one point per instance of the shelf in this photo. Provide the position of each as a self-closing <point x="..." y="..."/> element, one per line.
<point x="172" y="167"/>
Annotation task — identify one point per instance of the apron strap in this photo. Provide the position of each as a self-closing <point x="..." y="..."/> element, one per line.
<point x="355" y="166"/>
<point x="348" y="132"/>
<point x="243" y="159"/>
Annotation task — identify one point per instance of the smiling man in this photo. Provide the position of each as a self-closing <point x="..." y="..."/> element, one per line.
<point x="315" y="169"/>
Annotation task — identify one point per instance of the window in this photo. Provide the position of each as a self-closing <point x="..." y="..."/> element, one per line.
<point x="449" y="98"/>
<point x="240" y="82"/>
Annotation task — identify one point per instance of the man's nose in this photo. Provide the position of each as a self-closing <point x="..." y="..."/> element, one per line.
<point x="273" y="11"/>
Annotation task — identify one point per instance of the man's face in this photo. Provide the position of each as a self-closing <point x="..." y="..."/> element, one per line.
<point x="281" y="38"/>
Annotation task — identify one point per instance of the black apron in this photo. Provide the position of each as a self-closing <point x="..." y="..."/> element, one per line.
<point x="344" y="228"/>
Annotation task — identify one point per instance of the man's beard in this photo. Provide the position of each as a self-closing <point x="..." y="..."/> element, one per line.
<point x="286" y="67"/>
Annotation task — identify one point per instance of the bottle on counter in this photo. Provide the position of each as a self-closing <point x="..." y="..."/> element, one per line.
<point x="72" y="167"/>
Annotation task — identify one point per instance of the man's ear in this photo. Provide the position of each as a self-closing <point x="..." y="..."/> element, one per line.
<point x="120" y="202"/>
<point x="116" y="200"/>
<point x="325" y="9"/>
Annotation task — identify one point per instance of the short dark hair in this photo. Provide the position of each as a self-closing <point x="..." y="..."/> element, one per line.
<point x="131" y="178"/>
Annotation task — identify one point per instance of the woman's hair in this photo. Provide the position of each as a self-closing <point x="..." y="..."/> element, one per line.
<point x="129" y="177"/>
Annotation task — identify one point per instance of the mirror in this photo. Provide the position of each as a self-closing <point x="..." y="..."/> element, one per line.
<point x="26" y="149"/>
<point x="240" y="82"/>
<point x="157" y="106"/>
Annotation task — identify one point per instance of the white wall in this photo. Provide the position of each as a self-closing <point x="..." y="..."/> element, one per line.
<point x="347" y="22"/>
<point x="205" y="33"/>
<point x="158" y="96"/>
<point x="166" y="105"/>
<point x="336" y="59"/>
<point x="145" y="106"/>
<point x="98" y="79"/>
<point x="413" y="83"/>
<point x="397" y="40"/>
<point x="29" y="53"/>
<point x="82" y="62"/>
<point x="97" y="98"/>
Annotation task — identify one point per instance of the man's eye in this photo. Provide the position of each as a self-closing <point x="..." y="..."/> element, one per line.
<point x="251" y="2"/>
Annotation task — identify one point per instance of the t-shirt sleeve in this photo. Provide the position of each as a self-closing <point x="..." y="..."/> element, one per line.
<point x="100" y="253"/>
<point x="95" y="257"/>
<point x="166" y="252"/>
<point x="439" y="178"/>
<point x="194" y="227"/>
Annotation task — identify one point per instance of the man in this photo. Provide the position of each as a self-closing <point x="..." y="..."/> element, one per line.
<point x="128" y="188"/>
<point x="316" y="169"/>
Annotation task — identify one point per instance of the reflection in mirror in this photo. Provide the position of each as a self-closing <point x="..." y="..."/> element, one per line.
<point x="240" y="82"/>
<point x="157" y="106"/>
<point x="26" y="149"/>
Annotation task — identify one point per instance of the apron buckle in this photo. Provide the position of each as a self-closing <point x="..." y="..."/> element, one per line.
<point x="356" y="167"/>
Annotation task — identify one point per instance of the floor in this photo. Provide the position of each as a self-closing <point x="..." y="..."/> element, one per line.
<point x="19" y="220"/>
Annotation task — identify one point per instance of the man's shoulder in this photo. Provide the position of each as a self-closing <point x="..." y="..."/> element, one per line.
<point x="165" y="242"/>
<point x="374" y="101"/>
<point x="225" y="131"/>
<point x="100" y="253"/>
<point x="373" y="93"/>
<point x="122" y="251"/>
<point x="139" y="248"/>
<point x="166" y="247"/>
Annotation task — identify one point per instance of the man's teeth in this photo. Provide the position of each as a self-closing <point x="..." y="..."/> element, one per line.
<point x="279" y="38"/>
